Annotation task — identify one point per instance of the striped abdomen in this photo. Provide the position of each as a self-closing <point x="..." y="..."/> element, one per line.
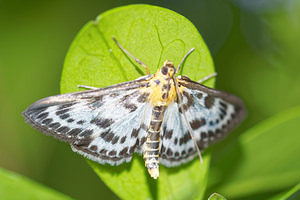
<point x="151" y="154"/>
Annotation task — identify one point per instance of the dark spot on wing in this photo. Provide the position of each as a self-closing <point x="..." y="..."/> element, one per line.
<point x="135" y="133"/>
<point x="47" y="121"/>
<point x="71" y="120"/>
<point x="63" y="111"/>
<point x="162" y="149"/>
<point x="124" y="151"/>
<point x="203" y="135"/>
<point x="115" y="140"/>
<point x="180" y="141"/>
<point x="36" y="111"/>
<point x="221" y="116"/>
<point x="102" y="122"/>
<point x="42" y="115"/>
<point x="112" y="153"/>
<point x="168" y="134"/>
<point x="169" y="152"/>
<point x="131" y="150"/>
<point x="74" y="131"/>
<point x="107" y="135"/>
<point x="131" y="107"/>
<point x="137" y="143"/>
<point x="123" y="139"/>
<point x="64" y="116"/>
<point x="175" y="141"/>
<point x="81" y="122"/>
<point x="143" y="97"/>
<point x="143" y="140"/>
<point x="187" y="137"/>
<point x="83" y="143"/>
<point x="223" y="105"/>
<point x="54" y="125"/>
<point x="197" y="123"/>
<point x="103" y="151"/>
<point x="94" y="148"/>
<point x="86" y="133"/>
<point x="209" y="101"/>
<point x="223" y="111"/>
<point x="63" y="129"/>
<point x="157" y="81"/>
<point x="199" y="95"/>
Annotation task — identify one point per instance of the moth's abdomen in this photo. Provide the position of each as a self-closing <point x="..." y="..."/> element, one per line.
<point x="151" y="154"/>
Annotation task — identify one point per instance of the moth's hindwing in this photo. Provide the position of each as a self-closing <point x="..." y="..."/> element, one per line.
<point x="106" y="125"/>
<point x="211" y="114"/>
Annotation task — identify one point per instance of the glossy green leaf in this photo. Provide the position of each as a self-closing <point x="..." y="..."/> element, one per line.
<point x="153" y="35"/>
<point x="15" y="186"/>
<point x="267" y="158"/>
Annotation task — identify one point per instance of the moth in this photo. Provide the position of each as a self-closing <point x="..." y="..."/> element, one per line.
<point x="168" y="119"/>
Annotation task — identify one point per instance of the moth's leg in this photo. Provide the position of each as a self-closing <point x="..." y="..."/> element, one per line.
<point x="208" y="77"/>
<point x="183" y="59"/>
<point x="87" y="87"/>
<point x="127" y="52"/>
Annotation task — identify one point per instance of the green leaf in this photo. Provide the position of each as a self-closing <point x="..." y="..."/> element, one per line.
<point x="15" y="186"/>
<point x="216" y="196"/>
<point x="269" y="158"/>
<point x="291" y="194"/>
<point x="153" y="35"/>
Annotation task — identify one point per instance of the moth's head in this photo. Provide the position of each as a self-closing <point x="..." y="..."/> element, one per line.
<point x="168" y="69"/>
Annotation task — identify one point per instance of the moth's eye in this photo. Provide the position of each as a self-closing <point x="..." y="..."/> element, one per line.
<point x="164" y="70"/>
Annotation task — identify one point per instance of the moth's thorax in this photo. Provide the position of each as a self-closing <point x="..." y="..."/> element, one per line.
<point x="162" y="87"/>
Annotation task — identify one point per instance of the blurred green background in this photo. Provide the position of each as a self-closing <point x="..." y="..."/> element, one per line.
<point x="255" y="46"/>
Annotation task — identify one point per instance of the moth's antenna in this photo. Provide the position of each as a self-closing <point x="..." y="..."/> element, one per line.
<point x="127" y="52"/>
<point x="188" y="124"/>
<point x="183" y="59"/>
<point x="208" y="77"/>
